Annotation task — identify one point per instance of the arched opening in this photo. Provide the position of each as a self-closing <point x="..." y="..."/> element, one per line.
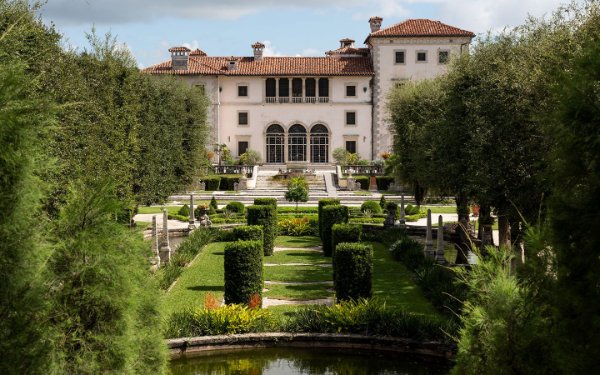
<point x="297" y="143"/>
<point x="275" y="144"/>
<point x="319" y="144"/>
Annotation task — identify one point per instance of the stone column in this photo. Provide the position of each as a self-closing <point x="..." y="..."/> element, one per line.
<point x="192" y="221"/>
<point x="402" y="212"/>
<point x="303" y="89"/>
<point x="439" y="253"/>
<point x="155" y="246"/>
<point x="164" y="251"/>
<point x="428" y="240"/>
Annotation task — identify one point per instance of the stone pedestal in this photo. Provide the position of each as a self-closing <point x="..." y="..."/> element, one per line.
<point x="192" y="220"/>
<point x="439" y="252"/>
<point x="205" y="221"/>
<point x="429" y="251"/>
<point x="390" y="220"/>
<point x="373" y="184"/>
<point x="202" y="186"/>
<point x="402" y="212"/>
<point x="164" y="251"/>
<point x="155" y="246"/>
<point x="351" y="184"/>
<point x="243" y="184"/>
<point x="236" y="186"/>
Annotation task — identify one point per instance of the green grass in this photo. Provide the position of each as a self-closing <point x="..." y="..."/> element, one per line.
<point x="298" y="292"/>
<point x="392" y="282"/>
<point x="362" y="192"/>
<point x="300" y="241"/>
<point x="296" y="256"/>
<point x="298" y="273"/>
<point x="171" y="210"/>
<point x="440" y="209"/>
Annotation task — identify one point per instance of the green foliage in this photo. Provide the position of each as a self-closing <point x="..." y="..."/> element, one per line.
<point x="323" y="203"/>
<point x="178" y="217"/>
<point x="227" y="182"/>
<point x="248" y="233"/>
<point x="266" y="216"/>
<point x="345" y="233"/>
<point x="265" y="202"/>
<point x="213" y="203"/>
<point x="298" y="226"/>
<point x="384" y="182"/>
<point x="409" y="251"/>
<point x="225" y="320"/>
<point x="382" y="202"/>
<point x="297" y="190"/>
<point x="363" y="181"/>
<point x="184" y="210"/>
<point x="392" y="207"/>
<point x="237" y="207"/>
<point x="243" y="272"/>
<point x="330" y="215"/>
<point x="250" y="157"/>
<point x="411" y="210"/>
<point x="212" y="182"/>
<point x="353" y="271"/>
<point x="372" y="206"/>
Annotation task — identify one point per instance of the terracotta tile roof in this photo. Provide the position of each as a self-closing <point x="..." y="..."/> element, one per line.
<point x="349" y="51"/>
<point x="271" y="66"/>
<point x="197" y="52"/>
<point x="179" y="49"/>
<point x="420" y="27"/>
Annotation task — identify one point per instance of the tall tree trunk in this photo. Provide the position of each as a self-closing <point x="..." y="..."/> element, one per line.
<point x="419" y="194"/>
<point x="503" y="228"/>
<point x="462" y="208"/>
<point x="485" y="233"/>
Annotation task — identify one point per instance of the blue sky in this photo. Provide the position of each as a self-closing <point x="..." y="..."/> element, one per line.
<point x="288" y="28"/>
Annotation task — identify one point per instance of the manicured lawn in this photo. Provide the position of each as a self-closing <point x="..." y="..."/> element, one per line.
<point x="296" y="256"/>
<point x="299" y="292"/>
<point x="301" y="241"/>
<point x="440" y="209"/>
<point x="298" y="273"/>
<point x="171" y="210"/>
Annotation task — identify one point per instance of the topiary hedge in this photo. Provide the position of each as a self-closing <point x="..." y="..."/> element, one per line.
<point x="243" y="272"/>
<point x="363" y="181"/>
<point x="409" y="251"/>
<point x="237" y="207"/>
<point x="345" y="233"/>
<point x="265" y="202"/>
<point x="323" y="203"/>
<point x="227" y="182"/>
<point x="331" y="215"/>
<point x="213" y="203"/>
<point x="248" y="233"/>
<point x="372" y="206"/>
<point x="265" y="216"/>
<point x="353" y="269"/>
<point x="184" y="210"/>
<point x="212" y="182"/>
<point x="384" y="182"/>
<point x="411" y="210"/>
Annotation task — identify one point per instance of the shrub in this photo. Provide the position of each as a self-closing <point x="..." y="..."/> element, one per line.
<point x="411" y="210"/>
<point x="224" y="320"/>
<point x="392" y="207"/>
<point x="184" y="210"/>
<point x="212" y="182"/>
<point x="323" y="203"/>
<point x="266" y="216"/>
<point x="345" y="233"/>
<point x="178" y="217"/>
<point x="382" y="202"/>
<point x="250" y="157"/>
<point x="331" y="215"/>
<point x="409" y="251"/>
<point x="248" y="233"/>
<point x="213" y="203"/>
<point x="265" y="202"/>
<point x="243" y="271"/>
<point x="237" y="207"/>
<point x="296" y="226"/>
<point x="384" y="182"/>
<point x="371" y="206"/>
<point x="353" y="269"/>
<point x="363" y="181"/>
<point x="227" y="182"/>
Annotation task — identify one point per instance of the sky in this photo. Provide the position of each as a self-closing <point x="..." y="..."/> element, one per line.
<point x="287" y="27"/>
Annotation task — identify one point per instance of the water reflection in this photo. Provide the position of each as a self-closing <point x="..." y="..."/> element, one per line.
<point x="280" y="361"/>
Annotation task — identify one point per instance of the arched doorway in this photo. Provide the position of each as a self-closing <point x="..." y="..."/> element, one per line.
<point x="275" y="144"/>
<point x="319" y="144"/>
<point x="297" y="143"/>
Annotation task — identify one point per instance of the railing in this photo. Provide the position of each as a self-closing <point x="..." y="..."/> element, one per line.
<point x="368" y="170"/>
<point x="233" y="169"/>
<point x="296" y="99"/>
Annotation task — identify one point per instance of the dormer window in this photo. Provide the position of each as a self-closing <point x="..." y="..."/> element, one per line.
<point x="232" y="65"/>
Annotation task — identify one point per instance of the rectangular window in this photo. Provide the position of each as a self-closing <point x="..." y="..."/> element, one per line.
<point x="351" y="147"/>
<point x="421" y="56"/>
<point x="242" y="147"/>
<point x="243" y="90"/>
<point x="242" y="118"/>
<point x="443" y="57"/>
<point x="350" y="118"/>
<point x="400" y="57"/>
<point x="351" y="91"/>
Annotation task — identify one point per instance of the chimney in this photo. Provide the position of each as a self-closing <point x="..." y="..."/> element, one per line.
<point x="179" y="58"/>
<point x="375" y="23"/>
<point x="346" y="42"/>
<point x="232" y="63"/>
<point x="258" y="48"/>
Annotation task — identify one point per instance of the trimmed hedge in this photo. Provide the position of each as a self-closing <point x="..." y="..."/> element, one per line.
<point x="227" y="182"/>
<point x="266" y="216"/>
<point x="345" y="233"/>
<point x="353" y="269"/>
<point x="384" y="182"/>
<point x="372" y="206"/>
<point x="213" y="203"/>
<point x="248" y="233"/>
<point x="184" y="210"/>
<point x="265" y="202"/>
<point x="212" y="182"/>
<point x="331" y="215"/>
<point x="237" y="207"/>
<point x="409" y="251"/>
<point x="363" y="181"/>
<point x="411" y="210"/>
<point x="243" y="272"/>
<point x="323" y="203"/>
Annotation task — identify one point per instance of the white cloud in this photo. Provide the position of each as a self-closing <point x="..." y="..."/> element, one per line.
<point x="311" y="52"/>
<point x="270" y="49"/>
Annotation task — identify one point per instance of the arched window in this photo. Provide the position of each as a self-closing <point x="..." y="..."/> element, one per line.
<point x="275" y="144"/>
<point x="297" y="143"/>
<point x="319" y="144"/>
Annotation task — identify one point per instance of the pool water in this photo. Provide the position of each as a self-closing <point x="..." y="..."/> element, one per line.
<point x="284" y="361"/>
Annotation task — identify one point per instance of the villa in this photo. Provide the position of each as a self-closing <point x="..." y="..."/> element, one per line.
<point x="299" y="109"/>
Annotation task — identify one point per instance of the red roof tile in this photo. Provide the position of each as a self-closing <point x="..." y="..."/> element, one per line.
<point x="197" y="52"/>
<point x="420" y="27"/>
<point x="271" y="66"/>
<point x="179" y="49"/>
<point x="349" y="51"/>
